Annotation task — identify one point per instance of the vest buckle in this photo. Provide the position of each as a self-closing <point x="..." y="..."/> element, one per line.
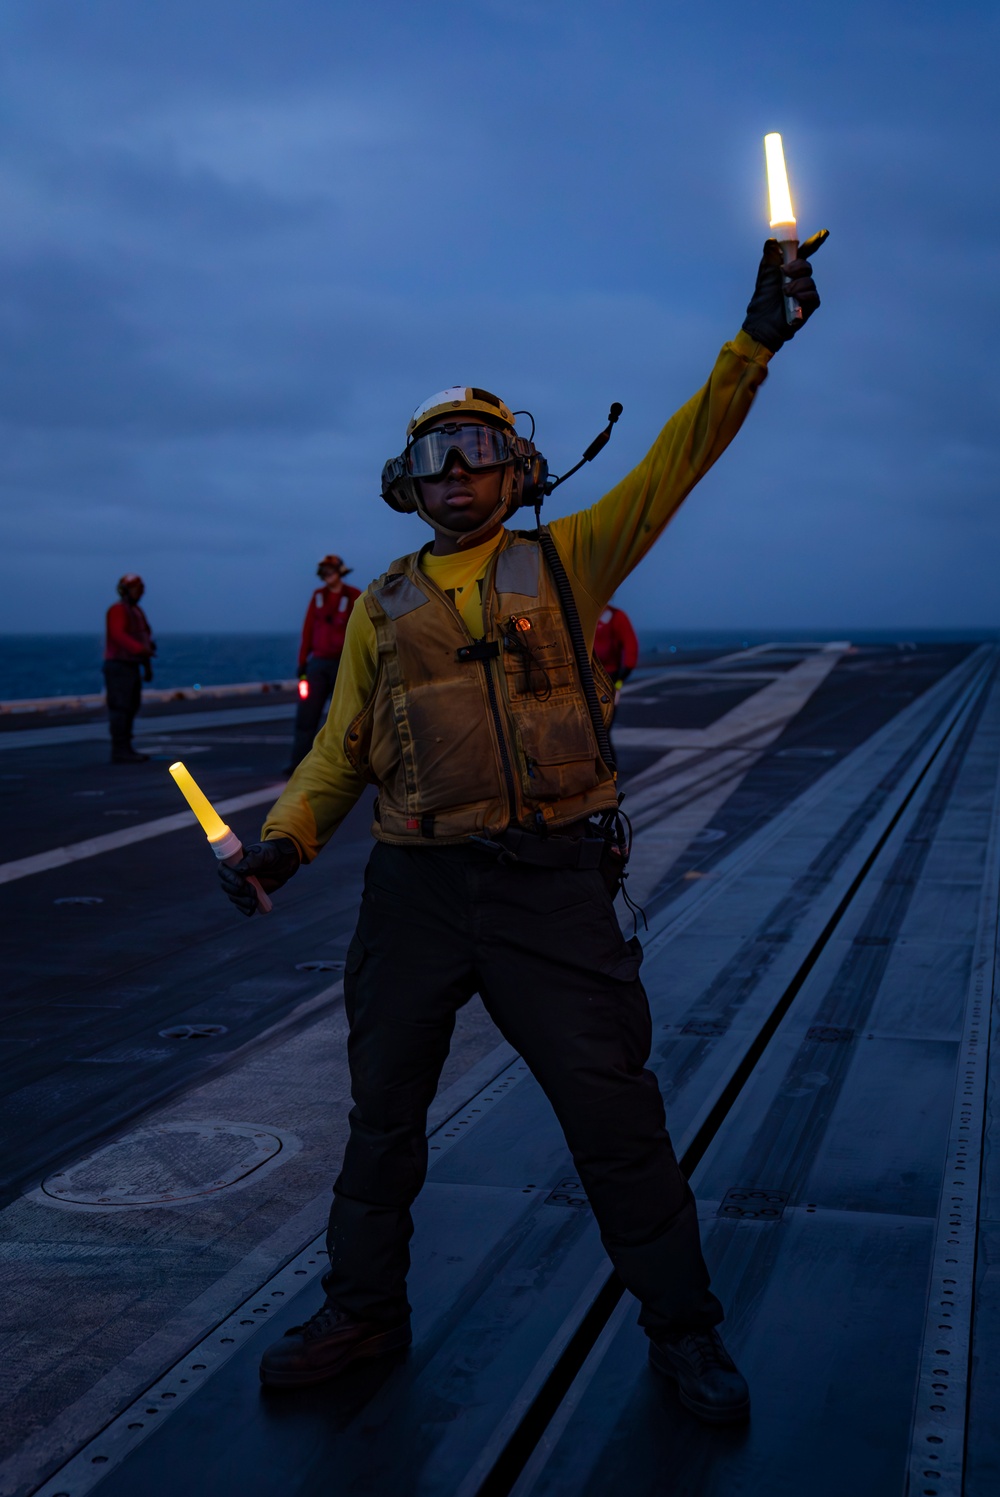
<point x="483" y="649"/>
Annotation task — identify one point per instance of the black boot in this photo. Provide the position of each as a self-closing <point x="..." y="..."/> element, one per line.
<point x="708" y="1381"/>
<point x="328" y="1343"/>
<point x="126" y="754"/>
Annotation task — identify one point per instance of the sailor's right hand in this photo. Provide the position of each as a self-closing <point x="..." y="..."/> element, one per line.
<point x="271" y="863"/>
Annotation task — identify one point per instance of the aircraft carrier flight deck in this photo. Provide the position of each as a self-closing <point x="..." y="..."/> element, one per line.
<point x="817" y="850"/>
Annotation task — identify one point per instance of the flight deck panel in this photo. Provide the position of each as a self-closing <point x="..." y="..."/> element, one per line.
<point x="819" y="961"/>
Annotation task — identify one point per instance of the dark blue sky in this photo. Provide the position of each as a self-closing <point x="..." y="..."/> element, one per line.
<point x="240" y="241"/>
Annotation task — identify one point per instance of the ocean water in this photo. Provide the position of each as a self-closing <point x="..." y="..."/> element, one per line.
<point x="42" y="665"/>
<point x="49" y="665"/>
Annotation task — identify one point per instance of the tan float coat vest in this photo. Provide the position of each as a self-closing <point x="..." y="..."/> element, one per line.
<point x="464" y="747"/>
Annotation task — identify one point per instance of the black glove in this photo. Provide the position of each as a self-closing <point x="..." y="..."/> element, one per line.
<point x="766" y="321"/>
<point x="271" y="863"/>
<point x="147" y="669"/>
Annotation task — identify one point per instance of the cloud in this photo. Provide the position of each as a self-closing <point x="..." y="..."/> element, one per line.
<point x="239" y="242"/>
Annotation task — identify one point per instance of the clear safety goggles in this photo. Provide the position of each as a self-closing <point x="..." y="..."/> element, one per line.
<point x="477" y="446"/>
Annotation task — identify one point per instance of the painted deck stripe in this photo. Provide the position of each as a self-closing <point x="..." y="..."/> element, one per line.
<point x="161" y="726"/>
<point x="76" y="852"/>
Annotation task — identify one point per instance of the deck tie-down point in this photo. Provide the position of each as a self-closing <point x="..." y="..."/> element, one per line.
<point x="753" y="1203"/>
<point x="568" y="1192"/>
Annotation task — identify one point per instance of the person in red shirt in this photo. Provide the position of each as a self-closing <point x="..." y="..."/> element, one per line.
<point x="616" y="646"/>
<point x="128" y="653"/>
<point x="320" y="651"/>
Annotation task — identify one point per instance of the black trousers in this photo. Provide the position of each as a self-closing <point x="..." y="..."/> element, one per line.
<point x="321" y="673"/>
<point x="123" y="684"/>
<point x="544" y="950"/>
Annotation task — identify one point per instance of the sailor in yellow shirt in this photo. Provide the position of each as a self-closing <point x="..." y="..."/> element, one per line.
<point x="467" y="698"/>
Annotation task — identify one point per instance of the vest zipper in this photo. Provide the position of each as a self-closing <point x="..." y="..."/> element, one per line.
<point x="491" y="689"/>
<point x="508" y="773"/>
<point x="491" y="685"/>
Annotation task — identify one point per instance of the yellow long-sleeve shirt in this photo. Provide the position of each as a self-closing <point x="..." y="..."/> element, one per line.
<point x="599" y="547"/>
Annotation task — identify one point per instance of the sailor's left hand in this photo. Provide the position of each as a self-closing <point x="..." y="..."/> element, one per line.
<point x="766" y="320"/>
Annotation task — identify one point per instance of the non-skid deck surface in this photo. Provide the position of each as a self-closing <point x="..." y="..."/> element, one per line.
<point x="826" y="1194"/>
<point x="813" y="974"/>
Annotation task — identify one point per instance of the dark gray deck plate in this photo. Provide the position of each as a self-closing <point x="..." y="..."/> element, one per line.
<point x="516" y="1146"/>
<point x="931" y="982"/>
<point x="862" y="1125"/>
<point x="493" y="1278"/>
<point x="436" y="1427"/>
<point x="882" y="1147"/>
<point x="693" y="704"/>
<point x="877" y="1137"/>
<point x="822" y="1310"/>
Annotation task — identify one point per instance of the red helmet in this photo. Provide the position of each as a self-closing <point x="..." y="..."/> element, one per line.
<point x="130" y="580"/>
<point x="330" y="562"/>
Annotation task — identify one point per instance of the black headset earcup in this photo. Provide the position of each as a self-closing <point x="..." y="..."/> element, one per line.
<point x="535" y="473"/>
<point x="400" y="496"/>
<point x="398" y="489"/>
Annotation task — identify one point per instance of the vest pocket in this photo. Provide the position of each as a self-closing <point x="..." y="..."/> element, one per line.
<point x="559" y="754"/>
<point x="537" y="658"/>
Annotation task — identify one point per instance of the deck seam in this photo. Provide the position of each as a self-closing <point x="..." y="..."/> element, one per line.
<point x="300" y="1262"/>
<point x="701" y="1133"/>
<point x="939" y="1431"/>
<point x="957" y="714"/>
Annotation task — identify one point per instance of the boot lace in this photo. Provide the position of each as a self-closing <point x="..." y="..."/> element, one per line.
<point x="704" y="1350"/>
<point x="326" y="1319"/>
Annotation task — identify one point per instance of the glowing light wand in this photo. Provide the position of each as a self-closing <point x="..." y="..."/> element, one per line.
<point x="782" y="217"/>
<point x="221" y="839"/>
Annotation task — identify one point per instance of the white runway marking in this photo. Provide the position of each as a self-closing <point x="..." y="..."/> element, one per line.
<point x="672" y="800"/>
<point x="75" y="852"/>
<point x="146" y="727"/>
